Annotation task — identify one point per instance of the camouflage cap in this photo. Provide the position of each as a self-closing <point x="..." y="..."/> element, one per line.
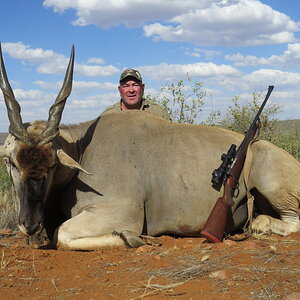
<point x="131" y="73"/>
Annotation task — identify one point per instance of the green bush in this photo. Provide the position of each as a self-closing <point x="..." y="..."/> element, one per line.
<point x="5" y="181"/>
<point x="239" y="117"/>
<point x="183" y="100"/>
<point x="287" y="142"/>
<point x="8" y="204"/>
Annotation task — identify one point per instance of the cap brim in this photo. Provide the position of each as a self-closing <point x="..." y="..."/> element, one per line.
<point x="130" y="77"/>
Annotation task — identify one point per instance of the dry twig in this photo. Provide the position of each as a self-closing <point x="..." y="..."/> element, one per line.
<point x="53" y="282"/>
<point x="33" y="265"/>
<point x="4" y="263"/>
<point x="154" y="289"/>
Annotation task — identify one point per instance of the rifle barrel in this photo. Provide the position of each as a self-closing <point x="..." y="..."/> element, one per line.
<point x="270" y="89"/>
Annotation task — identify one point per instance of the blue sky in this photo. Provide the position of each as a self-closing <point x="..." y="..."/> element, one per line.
<point x="234" y="47"/>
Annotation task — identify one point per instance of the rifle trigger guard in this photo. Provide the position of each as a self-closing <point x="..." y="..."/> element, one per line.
<point x="236" y="191"/>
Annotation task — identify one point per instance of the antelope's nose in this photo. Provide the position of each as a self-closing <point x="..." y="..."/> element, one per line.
<point x="31" y="229"/>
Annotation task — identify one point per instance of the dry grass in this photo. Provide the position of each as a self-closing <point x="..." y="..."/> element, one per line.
<point x="4" y="263"/>
<point x="152" y="289"/>
<point x="186" y="272"/>
<point x="9" y="210"/>
<point x="8" y="205"/>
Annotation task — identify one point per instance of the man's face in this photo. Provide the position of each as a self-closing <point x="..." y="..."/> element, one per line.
<point x="131" y="92"/>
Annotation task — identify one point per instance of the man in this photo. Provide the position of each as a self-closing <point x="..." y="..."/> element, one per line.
<point x="131" y="91"/>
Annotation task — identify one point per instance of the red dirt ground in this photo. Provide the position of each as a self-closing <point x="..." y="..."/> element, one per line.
<point x="179" y="268"/>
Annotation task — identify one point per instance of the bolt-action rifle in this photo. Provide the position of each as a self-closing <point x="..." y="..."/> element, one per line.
<point x="228" y="174"/>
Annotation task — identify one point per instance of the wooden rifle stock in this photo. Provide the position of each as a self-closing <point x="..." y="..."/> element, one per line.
<point x="214" y="227"/>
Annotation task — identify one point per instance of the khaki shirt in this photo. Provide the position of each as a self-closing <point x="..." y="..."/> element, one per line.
<point x="147" y="105"/>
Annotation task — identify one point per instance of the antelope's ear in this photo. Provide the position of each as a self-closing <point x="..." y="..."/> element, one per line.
<point x="2" y="151"/>
<point x="68" y="161"/>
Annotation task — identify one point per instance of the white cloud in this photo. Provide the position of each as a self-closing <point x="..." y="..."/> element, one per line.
<point x="91" y="71"/>
<point x="289" y="59"/>
<point x="96" y="60"/>
<point x="48" y="85"/>
<point x="257" y="81"/>
<point x="131" y="13"/>
<point x="50" y="62"/>
<point x="90" y="107"/>
<point x="25" y="53"/>
<point x="203" y="53"/>
<point x="87" y="85"/>
<point x="272" y="77"/>
<point x="242" y="23"/>
<point x="99" y="102"/>
<point x="246" y="60"/>
<point x="79" y="69"/>
<point x="165" y="71"/>
<point x="214" y="22"/>
<point x="86" y="103"/>
<point x="193" y="54"/>
<point x="34" y="103"/>
<point x="79" y="86"/>
<point x="34" y="97"/>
